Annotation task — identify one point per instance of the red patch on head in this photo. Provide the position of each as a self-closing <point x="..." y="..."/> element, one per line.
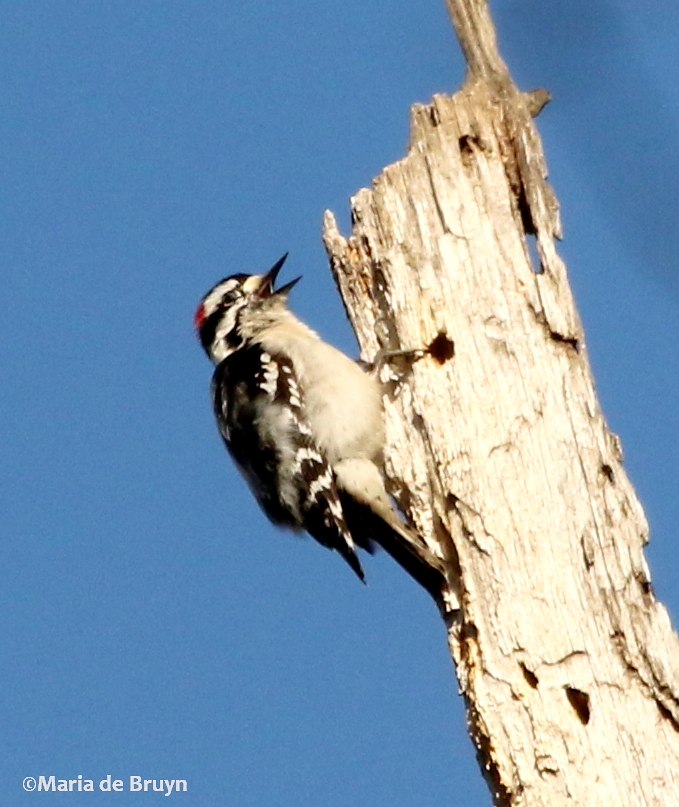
<point x="199" y="317"/>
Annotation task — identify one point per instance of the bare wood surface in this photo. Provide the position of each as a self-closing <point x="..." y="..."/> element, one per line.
<point x="500" y="455"/>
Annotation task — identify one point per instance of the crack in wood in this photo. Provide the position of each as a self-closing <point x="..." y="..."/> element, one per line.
<point x="530" y="676"/>
<point x="579" y="700"/>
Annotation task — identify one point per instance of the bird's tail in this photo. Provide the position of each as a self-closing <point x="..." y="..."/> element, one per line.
<point x="371" y="517"/>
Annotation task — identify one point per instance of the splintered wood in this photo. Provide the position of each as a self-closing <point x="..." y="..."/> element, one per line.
<point x="500" y="455"/>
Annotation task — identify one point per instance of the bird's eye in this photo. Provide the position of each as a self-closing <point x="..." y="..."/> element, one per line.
<point x="231" y="296"/>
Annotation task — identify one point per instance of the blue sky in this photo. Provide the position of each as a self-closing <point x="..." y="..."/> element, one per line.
<point x="153" y="623"/>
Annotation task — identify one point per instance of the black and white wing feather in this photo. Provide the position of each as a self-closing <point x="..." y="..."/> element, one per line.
<point x="259" y="407"/>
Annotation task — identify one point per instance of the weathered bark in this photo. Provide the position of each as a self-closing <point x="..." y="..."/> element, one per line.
<point x="500" y="455"/>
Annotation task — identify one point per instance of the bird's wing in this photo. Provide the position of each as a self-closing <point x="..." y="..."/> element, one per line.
<point x="259" y="407"/>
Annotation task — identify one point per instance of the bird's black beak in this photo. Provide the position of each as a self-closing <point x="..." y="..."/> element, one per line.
<point x="266" y="287"/>
<point x="285" y="289"/>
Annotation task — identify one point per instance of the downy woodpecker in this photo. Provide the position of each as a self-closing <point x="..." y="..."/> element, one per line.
<point x="302" y="421"/>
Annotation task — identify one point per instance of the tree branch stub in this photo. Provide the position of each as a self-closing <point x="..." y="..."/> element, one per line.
<point x="499" y="453"/>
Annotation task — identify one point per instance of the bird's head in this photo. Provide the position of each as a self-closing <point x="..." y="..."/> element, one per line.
<point x="221" y="319"/>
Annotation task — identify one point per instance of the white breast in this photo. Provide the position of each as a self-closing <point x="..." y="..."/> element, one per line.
<point x="342" y="403"/>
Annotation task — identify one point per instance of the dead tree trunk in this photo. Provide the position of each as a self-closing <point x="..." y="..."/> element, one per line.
<point x="500" y="455"/>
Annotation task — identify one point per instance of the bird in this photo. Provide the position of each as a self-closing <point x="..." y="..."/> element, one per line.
<point x="303" y="423"/>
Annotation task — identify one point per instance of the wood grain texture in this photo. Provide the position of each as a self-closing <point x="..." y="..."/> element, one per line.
<point x="499" y="453"/>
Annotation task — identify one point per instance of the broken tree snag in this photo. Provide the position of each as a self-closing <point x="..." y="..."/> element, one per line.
<point x="496" y="443"/>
